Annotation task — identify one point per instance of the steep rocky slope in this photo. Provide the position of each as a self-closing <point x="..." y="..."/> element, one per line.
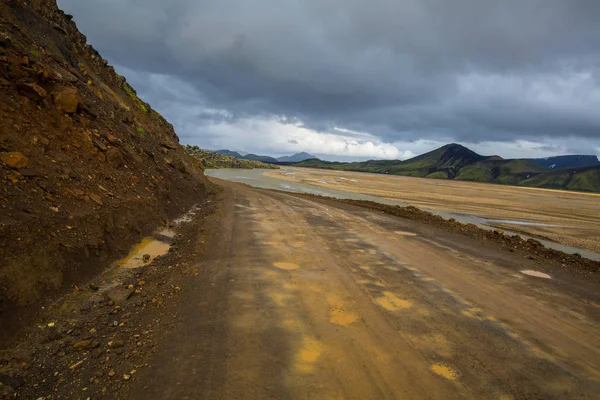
<point x="86" y="167"/>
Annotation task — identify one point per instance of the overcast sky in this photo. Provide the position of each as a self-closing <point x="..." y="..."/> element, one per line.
<point x="360" y="79"/>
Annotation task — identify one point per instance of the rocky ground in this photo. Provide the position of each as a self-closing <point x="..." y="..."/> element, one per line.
<point x="92" y="342"/>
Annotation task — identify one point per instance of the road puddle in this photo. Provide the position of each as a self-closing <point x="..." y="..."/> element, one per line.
<point x="343" y="318"/>
<point x="537" y="274"/>
<point x="444" y="371"/>
<point x="144" y="253"/>
<point x="154" y="246"/>
<point x="404" y="233"/>
<point x="286" y="266"/>
<point x="308" y="355"/>
<point x="391" y="302"/>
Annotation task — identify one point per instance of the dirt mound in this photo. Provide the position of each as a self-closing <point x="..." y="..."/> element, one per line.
<point x="86" y="167"/>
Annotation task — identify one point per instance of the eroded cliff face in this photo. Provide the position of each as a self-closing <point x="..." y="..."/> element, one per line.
<point x="86" y="167"/>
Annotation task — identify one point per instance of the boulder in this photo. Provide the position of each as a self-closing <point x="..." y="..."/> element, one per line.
<point x="66" y="100"/>
<point x="14" y="159"/>
<point x="128" y="118"/>
<point x="119" y="295"/>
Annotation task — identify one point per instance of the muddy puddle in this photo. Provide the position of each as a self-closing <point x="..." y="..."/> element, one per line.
<point x="154" y="246"/>
<point x="537" y="274"/>
<point x="256" y="178"/>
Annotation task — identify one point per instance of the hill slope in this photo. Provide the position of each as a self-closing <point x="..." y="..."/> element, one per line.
<point x="211" y="159"/>
<point x="229" y="153"/>
<point x="585" y="179"/>
<point x="87" y="168"/>
<point x="509" y="172"/>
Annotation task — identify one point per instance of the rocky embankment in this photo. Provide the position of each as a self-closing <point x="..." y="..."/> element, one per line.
<point x="211" y="159"/>
<point x="86" y="167"/>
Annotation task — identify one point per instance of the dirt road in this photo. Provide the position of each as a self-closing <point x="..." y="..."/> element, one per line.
<point x="304" y="299"/>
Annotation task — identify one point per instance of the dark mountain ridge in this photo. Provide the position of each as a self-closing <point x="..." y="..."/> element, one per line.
<point x="570" y="161"/>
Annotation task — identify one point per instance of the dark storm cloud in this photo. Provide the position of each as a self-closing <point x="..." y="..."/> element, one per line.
<point x="470" y="70"/>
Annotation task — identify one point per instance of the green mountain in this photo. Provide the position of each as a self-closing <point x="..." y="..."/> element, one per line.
<point x="510" y="172"/>
<point x="585" y="179"/>
<point x="213" y="159"/>
<point x="444" y="162"/>
<point x="255" y="157"/>
<point x="454" y="161"/>
<point x="229" y="153"/>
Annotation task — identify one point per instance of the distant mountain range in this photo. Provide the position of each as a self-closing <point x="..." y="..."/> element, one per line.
<point x="454" y="161"/>
<point x="298" y="157"/>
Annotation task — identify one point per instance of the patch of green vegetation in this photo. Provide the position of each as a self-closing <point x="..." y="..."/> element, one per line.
<point x="438" y="175"/>
<point x="133" y="95"/>
<point x="36" y="55"/>
<point x="211" y="160"/>
<point x="141" y="131"/>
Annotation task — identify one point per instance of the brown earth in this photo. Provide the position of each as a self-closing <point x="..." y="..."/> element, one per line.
<point x="86" y="167"/>
<point x="274" y="295"/>
<point x="575" y="216"/>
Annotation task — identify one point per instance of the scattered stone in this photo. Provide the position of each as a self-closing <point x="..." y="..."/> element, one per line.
<point x="114" y="158"/>
<point x="94" y="287"/>
<point x="119" y="294"/>
<point x="115" y="344"/>
<point x="126" y="377"/>
<point x="97" y="353"/>
<point x="66" y="100"/>
<point x="146" y="257"/>
<point x="32" y="91"/>
<point x="82" y="345"/>
<point x="97" y="199"/>
<point x="77" y="364"/>
<point x="111" y="373"/>
<point x="14" y="159"/>
<point x="100" y="145"/>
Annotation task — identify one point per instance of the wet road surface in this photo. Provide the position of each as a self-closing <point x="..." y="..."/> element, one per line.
<point x="298" y="299"/>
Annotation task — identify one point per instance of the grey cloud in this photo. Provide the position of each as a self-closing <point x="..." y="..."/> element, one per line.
<point x="468" y="70"/>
